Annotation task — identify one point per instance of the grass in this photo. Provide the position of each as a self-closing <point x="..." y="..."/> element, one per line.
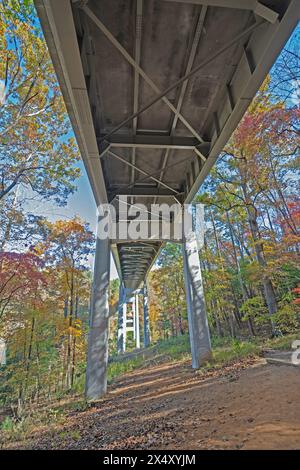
<point x="237" y="350"/>
<point x="225" y="350"/>
<point x="283" y="342"/>
<point x="13" y="429"/>
<point x="34" y="420"/>
<point x="117" y="368"/>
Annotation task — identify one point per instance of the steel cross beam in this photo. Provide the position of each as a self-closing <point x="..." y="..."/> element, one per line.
<point x="131" y="257"/>
<point x="118" y="157"/>
<point x="132" y="260"/>
<point x="126" y="256"/>
<point x="161" y="96"/>
<point x="137" y="207"/>
<point x="257" y="7"/>
<point x="133" y="270"/>
<point x="128" y="274"/>
<point x="155" y="141"/>
<point x="200" y="154"/>
<point x="133" y="247"/>
<point x="196" y="39"/>
<point x="138" y="37"/>
<point x="128" y="249"/>
<point x="141" y="72"/>
<point x="186" y="160"/>
<point x="133" y="265"/>
<point x="130" y="246"/>
<point x="145" y="192"/>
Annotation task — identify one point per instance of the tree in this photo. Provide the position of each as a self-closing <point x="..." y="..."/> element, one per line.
<point x="168" y="285"/>
<point x="20" y="277"/>
<point x="37" y="152"/>
<point x="245" y="175"/>
<point x="44" y="300"/>
<point x="286" y="72"/>
<point x="67" y="247"/>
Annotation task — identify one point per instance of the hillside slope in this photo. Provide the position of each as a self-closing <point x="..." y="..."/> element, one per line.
<point x="245" y="405"/>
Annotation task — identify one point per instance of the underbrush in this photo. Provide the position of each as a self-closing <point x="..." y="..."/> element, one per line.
<point x="283" y="342"/>
<point x="237" y="350"/>
<point x="36" y="420"/>
<point x="18" y="429"/>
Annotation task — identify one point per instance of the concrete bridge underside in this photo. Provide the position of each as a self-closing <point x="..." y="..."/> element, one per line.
<point x="154" y="89"/>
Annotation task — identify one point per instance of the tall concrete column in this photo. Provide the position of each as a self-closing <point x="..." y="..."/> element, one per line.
<point x="121" y="320"/>
<point x="197" y="318"/>
<point x="137" y="322"/>
<point x="146" y="317"/>
<point x="133" y="317"/>
<point x="124" y="324"/>
<point x="97" y="355"/>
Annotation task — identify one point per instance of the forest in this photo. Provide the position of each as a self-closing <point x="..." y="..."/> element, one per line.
<point x="250" y="257"/>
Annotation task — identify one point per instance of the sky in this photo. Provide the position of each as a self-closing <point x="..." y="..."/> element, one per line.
<point x="82" y="204"/>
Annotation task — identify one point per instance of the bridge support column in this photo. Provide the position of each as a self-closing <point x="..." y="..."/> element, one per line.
<point x="133" y="317"/>
<point x="146" y="317"/>
<point x="137" y="322"/>
<point x="124" y="325"/>
<point x="197" y="318"/>
<point x="121" y="343"/>
<point x="96" y="380"/>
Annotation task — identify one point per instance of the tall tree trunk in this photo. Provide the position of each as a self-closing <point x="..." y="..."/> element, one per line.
<point x="268" y="289"/>
<point x="270" y="222"/>
<point x="218" y="326"/>
<point x="286" y="210"/>
<point x="38" y="379"/>
<point x="24" y="386"/>
<point x="8" y="227"/>
<point x="238" y="267"/>
<point x="69" y="346"/>
<point x="181" y="331"/>
<point x="66" y="306"/>
<point x="74" y="343"/>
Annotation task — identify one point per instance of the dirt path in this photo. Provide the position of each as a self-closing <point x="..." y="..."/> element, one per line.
<point x="250" y="405"/>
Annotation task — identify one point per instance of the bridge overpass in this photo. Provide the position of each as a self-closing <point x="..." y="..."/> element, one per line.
<point x="154" y="89"/>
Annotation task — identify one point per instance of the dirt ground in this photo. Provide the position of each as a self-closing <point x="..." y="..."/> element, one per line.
<point x="249" y="405"/>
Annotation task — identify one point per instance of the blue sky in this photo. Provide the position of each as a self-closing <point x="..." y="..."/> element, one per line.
<point x="81" y="203"/>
